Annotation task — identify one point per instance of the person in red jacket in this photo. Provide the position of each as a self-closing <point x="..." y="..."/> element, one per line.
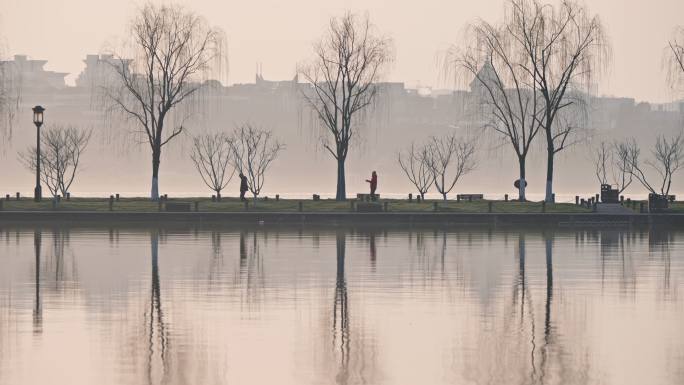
<point x="373" y="184"/>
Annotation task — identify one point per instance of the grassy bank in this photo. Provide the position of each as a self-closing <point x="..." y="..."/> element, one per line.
<point x="288" y="205"/>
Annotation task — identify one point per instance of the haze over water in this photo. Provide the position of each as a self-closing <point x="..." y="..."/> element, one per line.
<point x="117" y="305"/>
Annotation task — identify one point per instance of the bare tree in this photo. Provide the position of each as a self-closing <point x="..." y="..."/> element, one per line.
<point x="348" y="62"/>
<point x="414" y="162"/>
<point x="674" y="59"/>
<point x="505" y="89"/>
<point x="253" y="151"/>
<point x="668" y="159"/>
<point x="450" y="158"/>
<point x="61" y="150"/>
<point x="603" y="157"/>
<point x="212" y="155"/>
<point x="172" y="49"/>
<point x="612" y="164"/>
<point x="564" y="46"/>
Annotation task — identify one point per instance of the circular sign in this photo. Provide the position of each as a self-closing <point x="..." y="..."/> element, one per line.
<point x="517" y="183"/>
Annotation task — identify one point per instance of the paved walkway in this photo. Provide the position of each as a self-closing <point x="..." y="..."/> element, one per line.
<point x="613" y="208"/>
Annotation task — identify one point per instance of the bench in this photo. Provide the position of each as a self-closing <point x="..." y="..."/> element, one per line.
<point x="368" y="207"/>
<point x="366" y="197"/>
<point x="178" y="206"/>
<point x="469" y="197"/>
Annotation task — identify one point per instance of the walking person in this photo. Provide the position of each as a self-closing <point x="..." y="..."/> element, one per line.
<point x="373" y="184"/>
<point x="243" y="186"/>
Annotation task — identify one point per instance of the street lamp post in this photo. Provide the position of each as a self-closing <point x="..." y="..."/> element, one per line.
<point x="38" y="121"/>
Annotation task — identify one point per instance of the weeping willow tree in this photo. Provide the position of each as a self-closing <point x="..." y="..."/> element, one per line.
<point x="172" y="50"/>
<point x="565" y="47"/>
<point x="504" y="90"/>
<point x="10" y="95"/>
<point x="348" y="61"/>
<point x="674" y="59"/>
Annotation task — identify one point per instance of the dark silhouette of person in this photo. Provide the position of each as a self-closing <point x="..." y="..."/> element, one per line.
<point x="243" y="186"/>
<point x="373" y="184"/>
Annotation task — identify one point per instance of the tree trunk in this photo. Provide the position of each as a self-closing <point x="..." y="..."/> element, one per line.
<point x="341" y="186"/>
<point x="444" y="195"/>
<point x="422" y="196"/>
<point x="156" y="154"/>
<point x="549" y="177"/>
<point x="521" y="188"/>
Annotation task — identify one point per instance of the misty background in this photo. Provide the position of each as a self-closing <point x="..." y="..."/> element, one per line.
<point x="266" y="42"/>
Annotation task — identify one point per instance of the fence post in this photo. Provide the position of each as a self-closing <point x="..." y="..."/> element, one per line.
<point x="159" y="203"/>
<point x="196" y="206"/>
<point x="410" y="197"/>
<point x="68" y="197"/>
<point x="641" y="207"/>
<point x="543" y="206"/>
<point x="594" y="207"/>
<point x="506" y="198"/>
<point x="384" y="206"/>
<point x="111" y="202"/>
<point x="117" y="197"/>
<point x="597" y="198"/>
<point x="18" y="196"/>
<point x="300" y="206"/>
<point x="434" y="206"/>
<point x="489" y="206"/>
<point x="577" y="199"/>
<point x="277" y="197"/>
<point x="351" y="205"/>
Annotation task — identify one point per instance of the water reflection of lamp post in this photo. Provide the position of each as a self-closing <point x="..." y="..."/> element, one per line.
<point x="38" y="309"/>
<point x="38" y="121"/>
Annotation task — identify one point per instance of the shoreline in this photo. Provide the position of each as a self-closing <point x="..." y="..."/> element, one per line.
<point x="251" y="218"/>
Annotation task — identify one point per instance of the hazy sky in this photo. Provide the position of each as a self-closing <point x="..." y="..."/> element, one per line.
<point x="279" y="34"/>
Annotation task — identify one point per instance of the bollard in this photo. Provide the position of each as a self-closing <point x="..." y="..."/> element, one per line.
<point x="213" y="198"/>
<point x="489" y="206"/>
<point x="434" y="206"/>
<point x="351" y="205"/>
<point x="594" y="207"/>
<point x="300" y="206"/>
<point x="68" y="197"/>
<point x="18" y="196"/>
<point x="111" y="202"/>
<point x="505" y="197"/>
<point x="410" y="197"/>
<point x="196" y="206"/>
<point x="543" y="206"/>
<point x="384" y="206"/>
<point x="577" y="199"/>
<point x="117" y="197"/>
<point x="277" y="197"/>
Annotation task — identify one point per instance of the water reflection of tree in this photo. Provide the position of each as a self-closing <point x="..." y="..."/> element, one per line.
<point x="157" y="337"/>
<point x="512" y="348"/>
<point x="660" y="241"/>
<point x="341" y="312"/>
<point x="251" y="271"/>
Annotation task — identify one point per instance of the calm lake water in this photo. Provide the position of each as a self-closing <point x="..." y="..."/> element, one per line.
<point x="347" y="306"/>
